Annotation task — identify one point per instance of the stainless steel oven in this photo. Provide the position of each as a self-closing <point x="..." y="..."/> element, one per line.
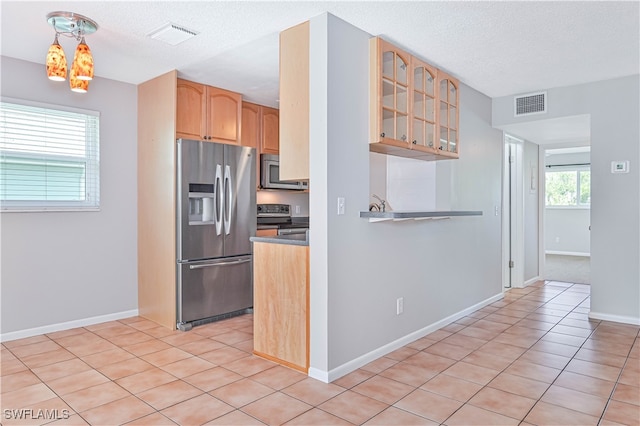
<point x="270" y="175"/>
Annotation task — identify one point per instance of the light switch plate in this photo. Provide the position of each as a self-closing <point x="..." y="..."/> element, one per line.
<point x="340" y="205"/>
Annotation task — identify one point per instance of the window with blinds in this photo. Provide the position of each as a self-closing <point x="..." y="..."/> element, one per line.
<point x="49" y="158"/>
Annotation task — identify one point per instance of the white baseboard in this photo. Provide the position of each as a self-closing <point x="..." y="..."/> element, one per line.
<point x="532" y="281"/>
<point x="21" y="334"/>
<point x="615" y="318"/>
<point x="568" y="253"/>
<point x="348" y="367"/>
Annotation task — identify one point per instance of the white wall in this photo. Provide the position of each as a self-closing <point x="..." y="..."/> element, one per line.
<point x="570" y="227"/>
<point x="614" y="107"/>
<point x="293" y="198"/>
<point x="359" y="269"/>
<point x="531" y="211"/>
<point x="59" y="267"/>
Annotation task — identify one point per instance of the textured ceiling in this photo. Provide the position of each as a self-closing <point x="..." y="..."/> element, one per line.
<point x="499" y="48"/>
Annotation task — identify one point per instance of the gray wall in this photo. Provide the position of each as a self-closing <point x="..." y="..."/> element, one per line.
<point x="359" y="269"/>
<point x="531" y="212"/>
<point x="59" y="267"/>
<point x="614" y="107"/>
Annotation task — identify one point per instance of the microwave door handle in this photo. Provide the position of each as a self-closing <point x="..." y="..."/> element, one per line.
<point x="218" y="201"/>
<point x="228" y="196"/>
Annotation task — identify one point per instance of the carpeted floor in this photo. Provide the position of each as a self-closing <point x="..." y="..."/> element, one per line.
<point x="571" y="269"/>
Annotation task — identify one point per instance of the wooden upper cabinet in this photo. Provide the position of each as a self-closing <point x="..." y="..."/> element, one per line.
<point x="294" y="102"/>
<point x="250" y="125"/>
<point x="448" y="114"/>
<point x="390" y="109"/>
<point x="208" y="113"/>
<point x="270" y="143"/>
<point x="414" y="106"/>
<point x="224" y="112"/>
<point x="423" y="103"/>
<point x="191" y="110"/>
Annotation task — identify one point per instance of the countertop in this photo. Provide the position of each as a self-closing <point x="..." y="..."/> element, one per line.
<point x="292" y="239"/>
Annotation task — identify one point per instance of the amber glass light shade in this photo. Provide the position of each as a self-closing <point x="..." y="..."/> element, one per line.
<point x="56" y="62"/>
<point x="83" y="62"/>
<point x="77" y="85"/>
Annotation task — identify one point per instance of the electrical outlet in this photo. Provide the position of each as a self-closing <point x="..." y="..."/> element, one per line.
<point x="340" y="205"/>
<point x="297" y="209"/>
<point x="557" y="239"/>
<point x="496" y="210"/>
<point x="399" y="305"/>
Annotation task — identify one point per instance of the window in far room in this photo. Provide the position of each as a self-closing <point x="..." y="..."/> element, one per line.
<point x="568" y="187"/>
<point x="49" y="158"/>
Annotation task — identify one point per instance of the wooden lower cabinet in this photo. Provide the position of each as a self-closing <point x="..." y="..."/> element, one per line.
<point x="281" y="304"/>
<point x="266" y="232"/>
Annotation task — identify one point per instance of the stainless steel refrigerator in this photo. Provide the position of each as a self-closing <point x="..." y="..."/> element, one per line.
<point x="216" y="214"/>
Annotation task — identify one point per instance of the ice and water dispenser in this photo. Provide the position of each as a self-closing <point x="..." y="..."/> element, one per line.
<point x="201" y="204"/>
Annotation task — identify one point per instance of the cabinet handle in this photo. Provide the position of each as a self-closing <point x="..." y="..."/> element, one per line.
<point x="415" y="142"/>
<point x="382" y="135"/>
<point x="404" y="138"/>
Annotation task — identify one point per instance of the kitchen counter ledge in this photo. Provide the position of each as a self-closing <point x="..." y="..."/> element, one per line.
<point x="416" y="215"/>
<point x="291" y="239"/>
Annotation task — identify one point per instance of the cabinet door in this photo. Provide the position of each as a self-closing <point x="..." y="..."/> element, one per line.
<point x="224" y="112"/>
<point x="393" y="94"/>
<point x="270" y="131"/>
<point x="191" y="110"/>
<point x="423" y="106"/>
<point x="281" y="304"/>
<point x="448" y="114"/>
<point x="250" y="133"/>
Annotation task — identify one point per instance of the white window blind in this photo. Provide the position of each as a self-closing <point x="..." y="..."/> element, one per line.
<point x="49" y="158"/>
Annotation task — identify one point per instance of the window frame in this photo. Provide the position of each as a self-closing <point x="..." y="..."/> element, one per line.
<point x="91" y="158"/>
<point x="568" y="168"/>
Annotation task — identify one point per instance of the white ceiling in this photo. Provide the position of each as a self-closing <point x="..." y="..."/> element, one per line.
<point x="499" y="48"/>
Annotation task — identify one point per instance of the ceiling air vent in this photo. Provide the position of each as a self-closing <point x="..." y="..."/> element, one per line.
<point x="532" y="103"/>
<point x="172" y="33"/>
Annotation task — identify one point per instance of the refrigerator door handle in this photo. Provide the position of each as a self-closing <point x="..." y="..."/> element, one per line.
<point x="209" y="265"/>
<point x="218" y="207"/>
<point x="228" y="199"/>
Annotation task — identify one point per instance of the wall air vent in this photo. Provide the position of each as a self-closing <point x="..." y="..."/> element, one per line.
<point x="532" y="103"/>
<point x="173" y="34"/>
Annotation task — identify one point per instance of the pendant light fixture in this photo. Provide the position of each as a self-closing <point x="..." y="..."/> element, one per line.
<point x="76" y="26"/>
<point x="56" y="62"/>
<point x="83" y="62"/>
<point x="76" y="84"/>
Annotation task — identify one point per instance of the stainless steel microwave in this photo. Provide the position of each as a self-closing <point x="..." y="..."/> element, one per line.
<point x="270" y="175"/>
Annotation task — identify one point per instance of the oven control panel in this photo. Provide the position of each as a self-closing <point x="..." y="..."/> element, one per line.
<point x="274" y="210"/>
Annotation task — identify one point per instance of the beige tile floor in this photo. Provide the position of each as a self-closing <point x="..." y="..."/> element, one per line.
<point x="532" y="358"/>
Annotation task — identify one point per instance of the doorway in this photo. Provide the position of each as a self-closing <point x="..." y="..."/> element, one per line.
<point x="567" y="214"/>
<point x="513" y="213"/>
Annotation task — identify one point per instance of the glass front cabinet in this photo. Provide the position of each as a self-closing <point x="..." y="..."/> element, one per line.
<point x="391" y="115"/>
<point x="414" y="106"/>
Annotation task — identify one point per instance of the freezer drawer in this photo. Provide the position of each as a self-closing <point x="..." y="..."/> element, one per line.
<point x="214" y="287"/>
